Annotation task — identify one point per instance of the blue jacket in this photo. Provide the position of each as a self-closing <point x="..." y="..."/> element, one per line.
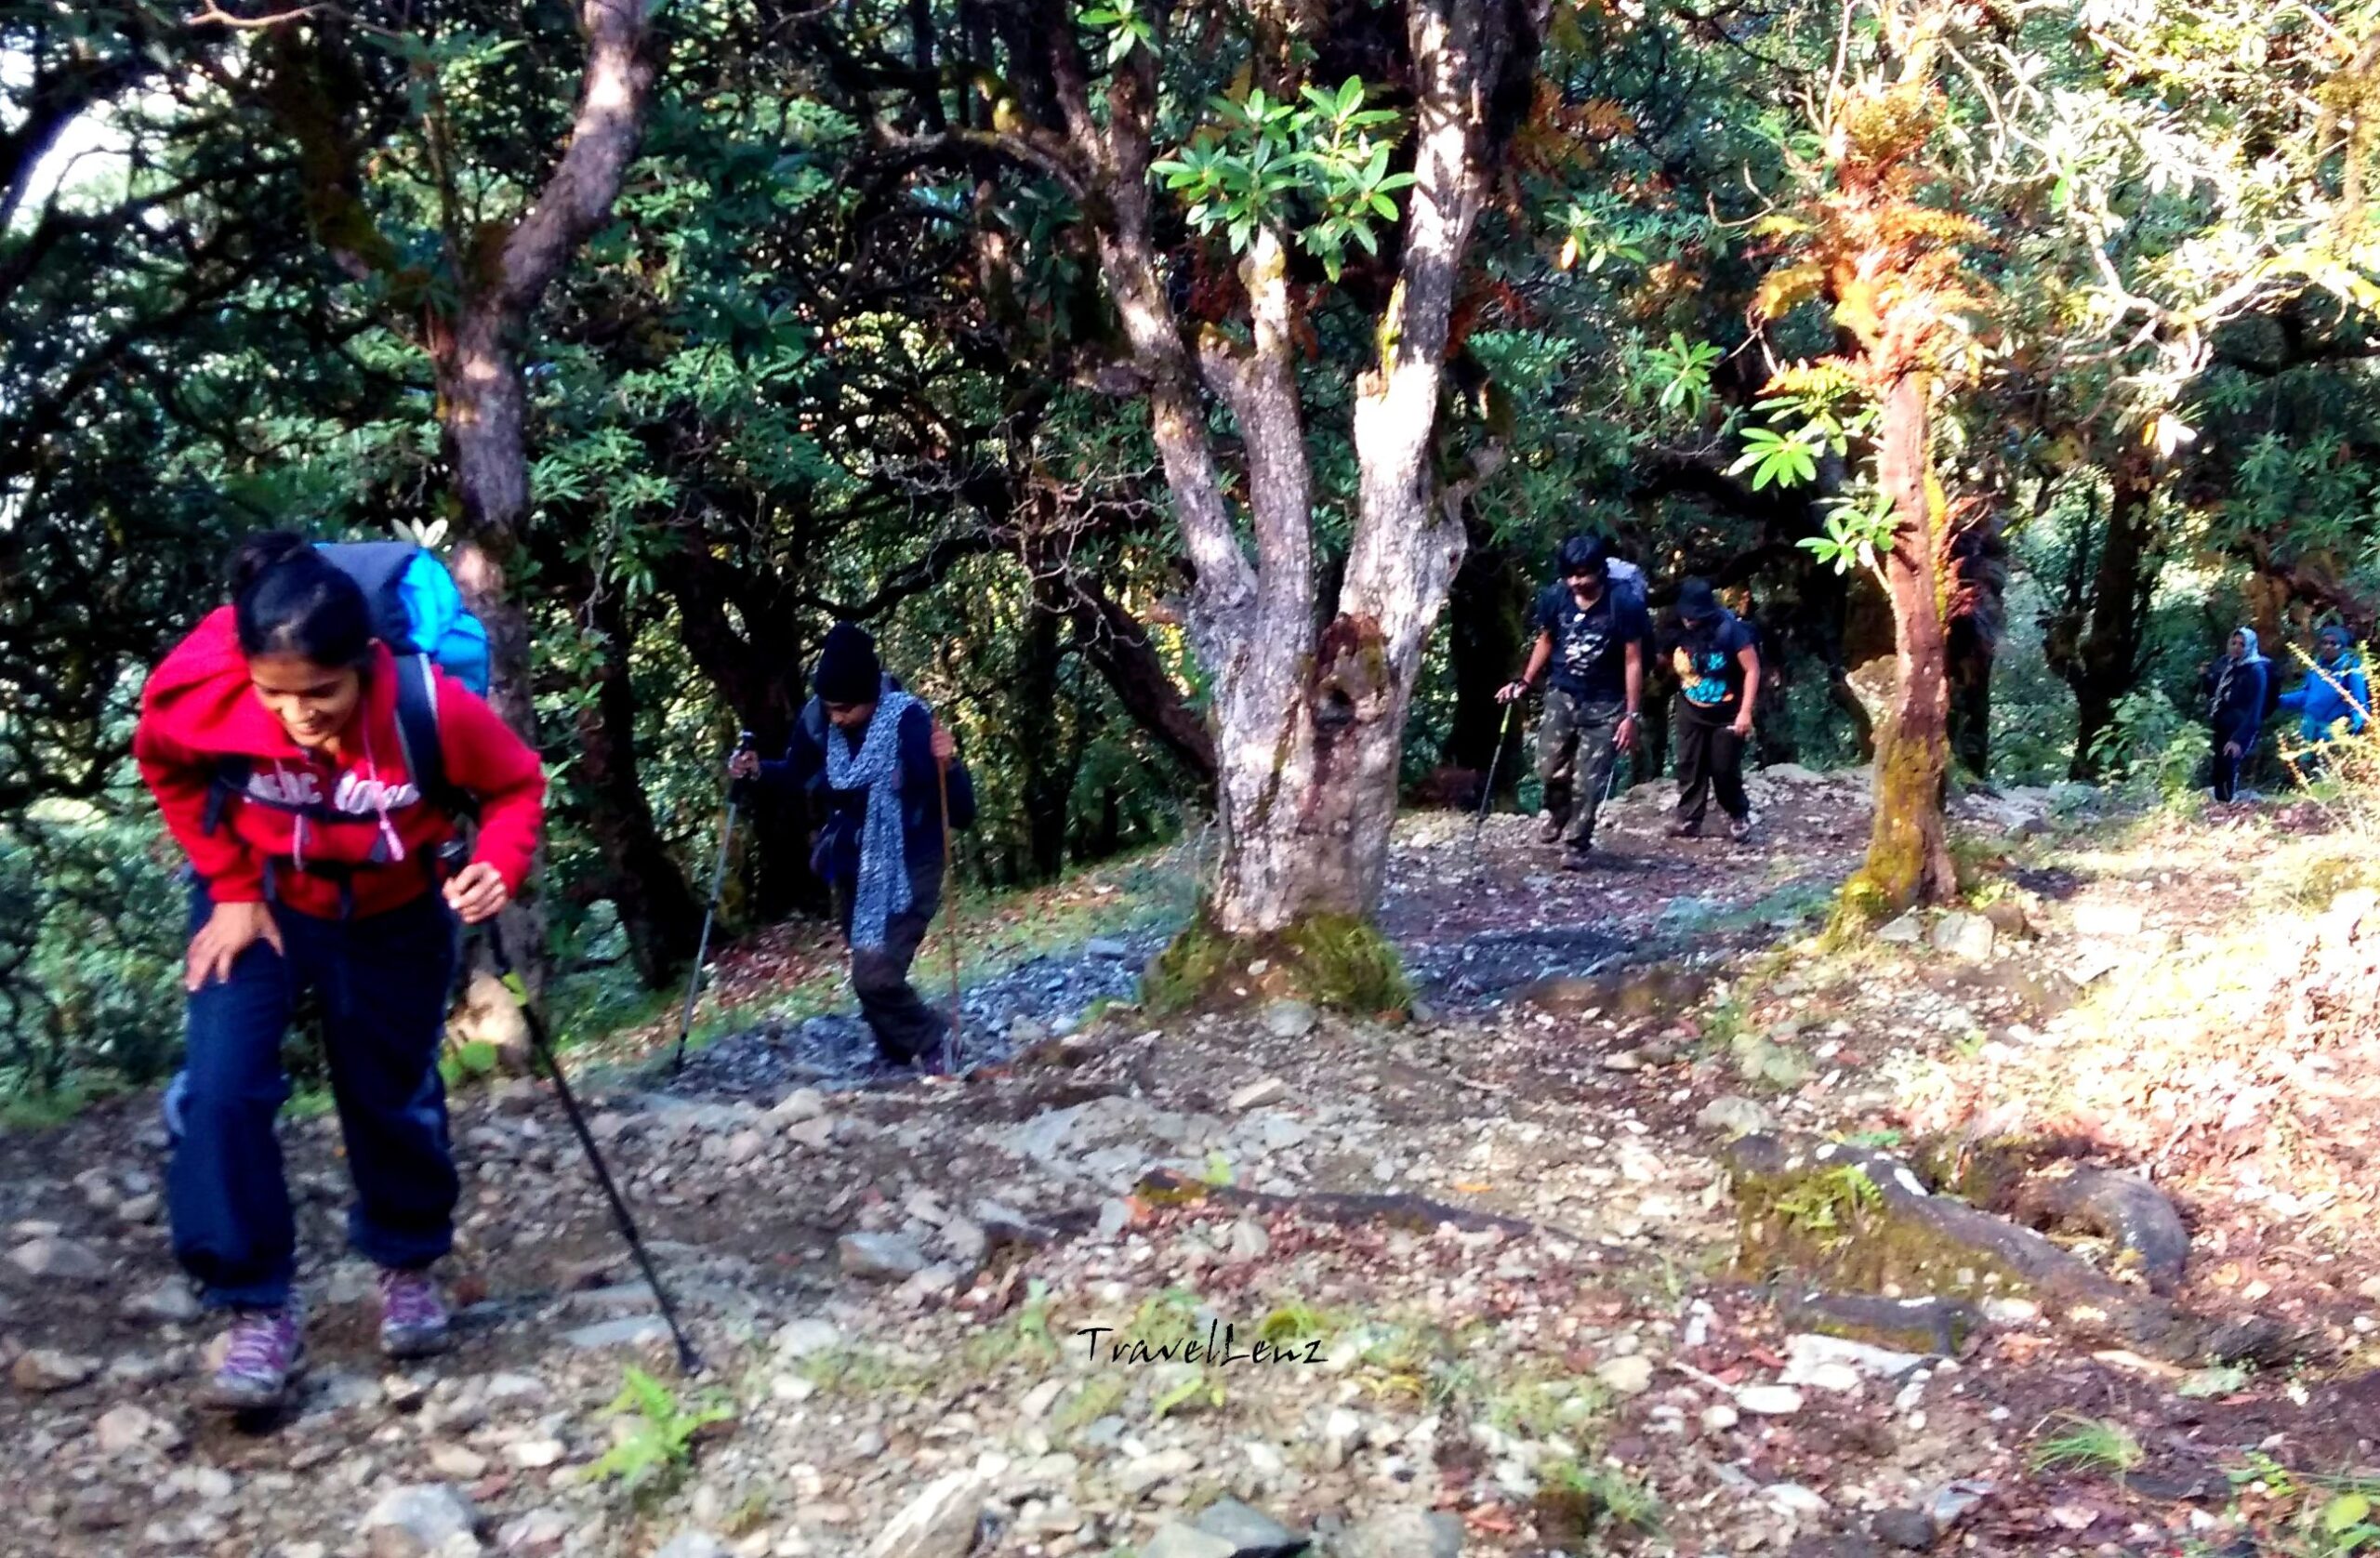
<point x="844" y="812"/>
<point x="2320" y="704"/>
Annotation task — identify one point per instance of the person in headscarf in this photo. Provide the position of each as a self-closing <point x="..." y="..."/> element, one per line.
<point x="866" y="755"/>
<point x="2235" y="689"/>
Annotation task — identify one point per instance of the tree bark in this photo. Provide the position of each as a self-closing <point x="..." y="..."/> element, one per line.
<point x="1309" y="717"/>
<point x="1118" y="645"/>
<point x="2105" y="663"/>
<point x="474" y="359"/>
<point x="658" y="912"/>
<point x="1048" y="761"/>
<point x="1909" y="851"/>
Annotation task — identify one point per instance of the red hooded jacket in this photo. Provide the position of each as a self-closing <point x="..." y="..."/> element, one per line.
<point x="359" y="814"/>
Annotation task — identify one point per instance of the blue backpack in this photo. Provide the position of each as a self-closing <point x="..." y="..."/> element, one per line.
<point x="415" y="608"/>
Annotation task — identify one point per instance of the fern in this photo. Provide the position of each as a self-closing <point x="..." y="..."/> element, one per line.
<point x="661" y="1440"/>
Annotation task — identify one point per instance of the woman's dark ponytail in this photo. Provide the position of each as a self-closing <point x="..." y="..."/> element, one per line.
<point x="289" y="598"/>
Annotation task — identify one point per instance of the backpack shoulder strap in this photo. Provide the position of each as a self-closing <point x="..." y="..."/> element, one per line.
<point x="417" y="732"/>
<point x="231" y="784"/>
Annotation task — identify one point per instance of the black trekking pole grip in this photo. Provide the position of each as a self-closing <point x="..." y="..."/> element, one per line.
<point x="688" y="1361"/>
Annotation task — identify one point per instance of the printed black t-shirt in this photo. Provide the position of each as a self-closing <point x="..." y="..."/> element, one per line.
<point x="1591" y="643"/>
<point x="1714" y="648"/>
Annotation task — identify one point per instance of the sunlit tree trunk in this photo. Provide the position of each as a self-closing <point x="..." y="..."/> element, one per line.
<point x="1909" y="851"/>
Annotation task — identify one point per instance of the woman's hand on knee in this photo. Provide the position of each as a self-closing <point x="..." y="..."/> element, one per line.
<point x="230" y="930"/>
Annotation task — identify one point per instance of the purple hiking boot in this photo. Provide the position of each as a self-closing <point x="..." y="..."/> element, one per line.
<point x="413" y="1317"/>
<point x="264" y="1354"/>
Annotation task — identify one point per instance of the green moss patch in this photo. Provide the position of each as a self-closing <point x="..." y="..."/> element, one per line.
<point x="1338" y="961"/>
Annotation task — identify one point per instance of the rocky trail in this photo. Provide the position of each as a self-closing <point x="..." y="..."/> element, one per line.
<point x="1662" y="1228"/>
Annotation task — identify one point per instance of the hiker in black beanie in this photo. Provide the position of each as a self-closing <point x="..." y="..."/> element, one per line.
<point x="866" y="753"/>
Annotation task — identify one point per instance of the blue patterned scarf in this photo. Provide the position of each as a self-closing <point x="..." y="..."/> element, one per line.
<point x="882" y="889"/>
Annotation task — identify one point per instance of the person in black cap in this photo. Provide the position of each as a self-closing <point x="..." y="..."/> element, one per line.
<point x="1591" y="639"/>
<point x="866" y="753"/>
<point x="1718" y="672"/>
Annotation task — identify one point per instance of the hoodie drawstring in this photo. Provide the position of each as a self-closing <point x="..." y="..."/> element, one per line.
<point x="380" y="803"/>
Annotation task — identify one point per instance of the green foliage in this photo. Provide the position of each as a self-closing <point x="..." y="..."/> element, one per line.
<point x="1785" y="458"/>
<point x="1857" y="533"/>
<point x="1829" y="1208"/>
<point x="1098" y="1397"/>
<point x="1542" y="1406"/>
<point x="1333" y="960"/>
<point x="1318" y="167"/>
<point x="658" y="1444"/>
<point x="1603" y="1497"/>
<point x="1683" y="371"/>
<point x="1126" y="28"/>
<point x="90" y="945"/>
<point x="1026" y="1334"/>
<point x="2151" y="744"/>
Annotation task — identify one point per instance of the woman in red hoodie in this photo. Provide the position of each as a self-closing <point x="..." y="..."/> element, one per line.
<point x="270" y="739"/>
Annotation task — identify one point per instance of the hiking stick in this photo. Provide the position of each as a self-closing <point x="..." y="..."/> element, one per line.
<point x="688" y="1360"/>
<point x="718" y="883"/>
<point x="1487" y="790"/>
<point x="1610" y="781"/>
<point x="950" y="913"/>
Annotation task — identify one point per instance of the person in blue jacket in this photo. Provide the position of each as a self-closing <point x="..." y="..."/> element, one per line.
<point x="2235" y="687"/>
<point x="2335" y="690"/>
<point x="868" y="757"/>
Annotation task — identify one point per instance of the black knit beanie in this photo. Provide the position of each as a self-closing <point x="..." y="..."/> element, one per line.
<point x="848" y="672"/>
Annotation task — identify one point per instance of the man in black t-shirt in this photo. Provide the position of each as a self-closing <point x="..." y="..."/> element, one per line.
<point x="1590" y="651"/>
<point x="1718" y="673"/>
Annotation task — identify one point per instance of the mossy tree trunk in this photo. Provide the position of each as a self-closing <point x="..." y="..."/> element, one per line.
<point x="1909" y="851"/>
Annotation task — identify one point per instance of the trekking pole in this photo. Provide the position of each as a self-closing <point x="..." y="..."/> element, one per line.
<point x="688" y="1361"/>
<point x="1611" y="783"/>
<point x="718" y="883"/>
<point x="950" y="915"/>
<point x="1487" y="790"/>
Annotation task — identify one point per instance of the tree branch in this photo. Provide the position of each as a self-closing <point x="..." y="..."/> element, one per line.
<point x="621" y="65"/>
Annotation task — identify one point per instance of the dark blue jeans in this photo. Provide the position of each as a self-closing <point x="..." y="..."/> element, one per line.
<point x="383" y="984"/>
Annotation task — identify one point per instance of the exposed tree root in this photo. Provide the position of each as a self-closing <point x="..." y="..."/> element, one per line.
<point x="1416" y="1212"/>
<point x="1859" y="1219"/>
<point x="1927" y="1324"/>
<point x="2127" y="1211"/>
